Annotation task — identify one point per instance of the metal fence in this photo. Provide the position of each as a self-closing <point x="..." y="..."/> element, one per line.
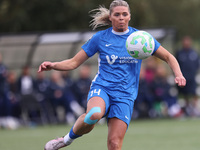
<point x="19" y="50"/>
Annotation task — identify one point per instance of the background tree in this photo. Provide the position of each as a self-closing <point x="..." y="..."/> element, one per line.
<point x="58" y="15"/>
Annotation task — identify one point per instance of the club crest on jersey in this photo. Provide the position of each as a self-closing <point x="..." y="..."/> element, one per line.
<point x="113" y="58"/>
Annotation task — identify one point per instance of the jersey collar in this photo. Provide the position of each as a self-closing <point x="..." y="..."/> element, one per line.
<point x="120" y="33"/>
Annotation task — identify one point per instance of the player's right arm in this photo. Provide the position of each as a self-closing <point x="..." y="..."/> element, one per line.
<point x="65" y="65"/>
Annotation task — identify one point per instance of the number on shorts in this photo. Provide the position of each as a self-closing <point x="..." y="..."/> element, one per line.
<point x="95" y="91"/>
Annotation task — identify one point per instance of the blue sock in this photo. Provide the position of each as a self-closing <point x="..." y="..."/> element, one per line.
<point x="72" y="135"/>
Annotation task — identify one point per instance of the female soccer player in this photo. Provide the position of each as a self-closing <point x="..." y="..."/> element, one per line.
<point x="115" y="86"/>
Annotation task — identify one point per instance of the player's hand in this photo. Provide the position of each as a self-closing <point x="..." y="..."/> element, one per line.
<point x="46" y="66"/>
<point x="180" y="81"/>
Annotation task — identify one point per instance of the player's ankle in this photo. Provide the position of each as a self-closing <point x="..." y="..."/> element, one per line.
<point x="72" y="135"/>
<point x="67" y="139"/>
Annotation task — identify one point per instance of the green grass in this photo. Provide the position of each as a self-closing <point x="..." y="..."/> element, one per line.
<point x="141" y="135"/>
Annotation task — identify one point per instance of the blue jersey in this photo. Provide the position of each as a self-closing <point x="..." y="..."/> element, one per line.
<point x="118" y="72"/>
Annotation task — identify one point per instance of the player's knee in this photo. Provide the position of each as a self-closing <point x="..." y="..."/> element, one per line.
<point x="93" y="116"/>
<point x="114" y="144"/>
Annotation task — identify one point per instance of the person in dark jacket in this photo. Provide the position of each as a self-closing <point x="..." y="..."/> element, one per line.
<point x="188" y="59"/>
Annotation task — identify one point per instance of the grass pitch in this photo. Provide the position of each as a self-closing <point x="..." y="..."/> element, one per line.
<point x="142" y="135"/>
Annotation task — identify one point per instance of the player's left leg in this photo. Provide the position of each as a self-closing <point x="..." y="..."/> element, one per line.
<point x="116" y="131"/>
<point x="119" y="117"/>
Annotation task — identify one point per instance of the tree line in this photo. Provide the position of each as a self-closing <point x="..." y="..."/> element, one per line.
<point x="18" y="16"/>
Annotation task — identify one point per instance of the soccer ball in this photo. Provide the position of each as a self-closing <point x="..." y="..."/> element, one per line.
<point x="140" y="44"/>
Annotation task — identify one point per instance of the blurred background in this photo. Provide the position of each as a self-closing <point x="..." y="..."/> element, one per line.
<point x="35" y="31"/>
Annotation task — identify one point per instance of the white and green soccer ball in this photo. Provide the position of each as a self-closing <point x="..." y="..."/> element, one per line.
<point x="140" y="44"/>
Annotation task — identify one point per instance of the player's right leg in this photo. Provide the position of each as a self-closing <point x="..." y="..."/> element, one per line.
<point x="85" y="123"/>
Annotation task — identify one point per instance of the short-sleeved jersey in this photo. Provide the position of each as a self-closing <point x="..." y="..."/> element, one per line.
<point x="118" y="72"/>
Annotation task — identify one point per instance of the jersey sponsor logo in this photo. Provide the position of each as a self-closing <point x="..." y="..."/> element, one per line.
<point x="127" y="60"/>
<point x="113" y="57"/>
<point x="122" y="60"/>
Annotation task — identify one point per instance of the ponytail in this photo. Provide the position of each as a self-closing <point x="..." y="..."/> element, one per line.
<point x="100" y="17"/>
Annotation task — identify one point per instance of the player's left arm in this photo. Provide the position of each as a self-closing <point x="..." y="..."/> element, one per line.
<point x="164" y="55"/>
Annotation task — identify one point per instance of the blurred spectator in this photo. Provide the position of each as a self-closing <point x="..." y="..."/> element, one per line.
<point x="29" y="105"/>
<point x="145" y="99"/>
<point x="188" y="59"/>
<point x="6" y="104"/>
<point x="150" y="69"/>
<point x="143" y="106"/>
<point x="26" y="82"/>
<point x="57" y="95"/>
<point x="42" y="92"/>
<point x="62" y="97"/>
<point x="165" y="94"/>
<point x="42" y="84"/>
<point x="82" y="85"/>
<point x="68" y="80"/>
<point x="14" y="95"/>
<point x="5" y="107"/>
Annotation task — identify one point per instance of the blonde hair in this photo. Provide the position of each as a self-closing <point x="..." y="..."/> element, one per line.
<point x="101" y="14"/>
